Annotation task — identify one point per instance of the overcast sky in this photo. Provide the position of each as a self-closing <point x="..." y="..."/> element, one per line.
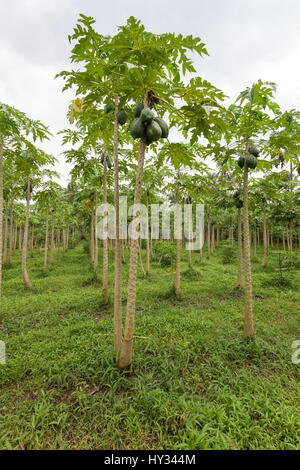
<point x="246" y="40"/>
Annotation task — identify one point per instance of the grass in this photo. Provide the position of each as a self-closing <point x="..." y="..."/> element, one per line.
<point x="195" y="382"/>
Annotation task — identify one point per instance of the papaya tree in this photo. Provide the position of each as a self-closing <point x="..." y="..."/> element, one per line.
<point x="15" y="126"/>
<point x="253" y="115"/>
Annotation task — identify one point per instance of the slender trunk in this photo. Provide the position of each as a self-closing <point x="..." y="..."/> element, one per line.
<point x="178" y="245"/>
<point x="288" y="237"/>
<point x="271" y="238"/>
<point x="240" y="249"/>
<point x="127" y="343"/>
<point x="105" y="239"/>
<point x="15" y="237"/>
<point x="264" y="262"/>
<point x="118" y="259"/>
<point x="11" y="232"/>
<point x="5" y="234"/>
<point x="20" y="238"/>
<point x="291" y="236"/>
<point x="46" y="243"/>
<point x="92" y="239"/>
<point x="254" y="240"/>
<point x="213" y="239"/>
<point x="26" y="279"/>
<point x="58" y="241"/>
<point x="189" y="236"/>
<point x="52" y="239"/>
<point x="208" y="237"/>
<point x="218" y="237"/>
<point x="1" y="224"/>
<point x="147" y="240"/>
<point x="64" y="240"/>
<point x="96" y="238"/>
<point x="248" y="324"/>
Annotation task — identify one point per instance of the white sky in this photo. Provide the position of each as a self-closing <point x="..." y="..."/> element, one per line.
<point x="246" y="40"/>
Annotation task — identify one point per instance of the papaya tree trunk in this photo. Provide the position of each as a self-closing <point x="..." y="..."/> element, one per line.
<point x="58" y="241"/>
<point x="26" y="279"/>
<point x="15" y="237"/>
<point x="46" y="243"/>
<point x="291" y="236"/>
<point x="189" y="251"/>
<point x="5" y="234"/>
<point x="248" y="323"/>
<point x="213" y="239"/>
<point x="178" y="244"/>
<point x="288" y="237"/>
<point x="208" y="237"/>
<point x="105" y="239"/>
<point x="20" y="238"/>
<point x="265" y="258"/>
<point x="96" y="238"/>
<point x="52" y="239"/>
<point x="1" y="224"/>
<point x="148" y="239"/>
<point x="254" y="241"/>
<point x="118" y="259"/>
<point x="11" y="232"/>
<point x="127" y="343"/>
<point x="240" y="249"/>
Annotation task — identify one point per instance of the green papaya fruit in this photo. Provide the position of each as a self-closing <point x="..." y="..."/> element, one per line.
<point x="138" y="109"/>
<point x="147" y="116"/>
<point x="137" y="129"/>
<point x="153" y="132"/>
<point x="164" y="127"/>
<point x="251" y="161"/>
<point x="108" y="162"/>
<point x="254" y="151"/>
<point x="122" y="117"/>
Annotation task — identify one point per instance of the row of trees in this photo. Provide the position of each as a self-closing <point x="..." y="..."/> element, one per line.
<point x="141" y="77"/>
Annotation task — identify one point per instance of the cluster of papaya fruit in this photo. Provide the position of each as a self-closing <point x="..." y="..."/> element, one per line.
<point x="122" y="115"/>
<point x="251" y="158"/>
<point x="147" y="125"/>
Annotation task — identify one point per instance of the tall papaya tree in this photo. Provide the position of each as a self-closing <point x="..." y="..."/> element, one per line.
<point x="148" y="70"/>
<point x="252" y="116"/>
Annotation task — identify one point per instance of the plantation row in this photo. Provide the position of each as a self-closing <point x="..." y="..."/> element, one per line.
<point x="131" y="91"/>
